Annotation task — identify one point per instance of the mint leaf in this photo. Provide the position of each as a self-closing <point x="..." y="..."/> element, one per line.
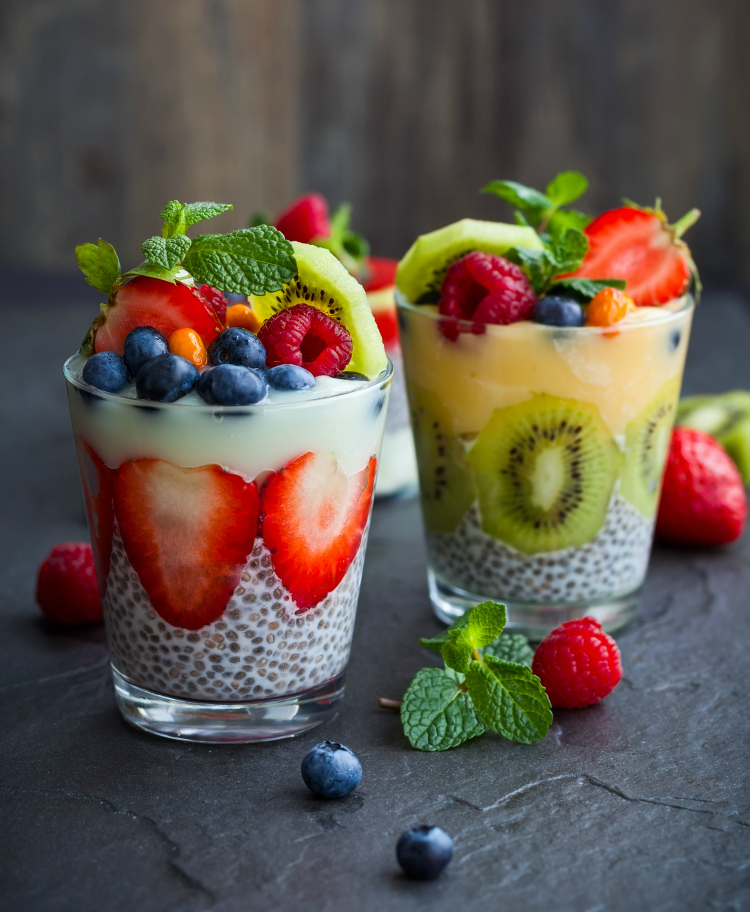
<point x="436" y="714"/>
<point x="166" y="252"/>
<point x="199" y="212"/>
<point x="568" y="218"/>
<point x="585" y="289"/>
<point x="539" y="265"/>
<point x="456" y="652"/>
<point x="249" y="261"/>
<point x="569" y="248"/>
<point x="178" y="217"/>
<point x="511" y="647"/>
<point x="100" y="264"/>
<point x="509" y="699"/>
<point x="346" y="245"/>
<point x="567" y="187"/>
<point x="436" y="643"/>
<point x="258" y="218"/>
<point x="486" y="622"/>
<point x="532" y="203"/>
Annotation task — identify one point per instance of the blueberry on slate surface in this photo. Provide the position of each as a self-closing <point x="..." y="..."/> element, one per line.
<point x="166" y="378"/>
<point x="556" y="310"/>
<point x="106" y="371"/>
<point x="424" y="852"/>
<point x="289" y="377"/>
<point x="141" y="345"/>
<point x="237" y="346"/>
<point x="230" y="384"/>
<point x="351" y="375"/>
<point x="331" y="770"/>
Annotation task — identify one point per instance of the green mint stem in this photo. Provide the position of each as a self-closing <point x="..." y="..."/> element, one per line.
<point x="687" y="221"/>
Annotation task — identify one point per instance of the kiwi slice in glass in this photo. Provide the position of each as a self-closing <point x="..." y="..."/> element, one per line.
<point x="544" y="471"/>
<point x="445" y="478"/>
<point x="422" y="270"/>
<point x="725" y="416"/>
<point x="647" y="439"/>
<point x="322" y="281"/>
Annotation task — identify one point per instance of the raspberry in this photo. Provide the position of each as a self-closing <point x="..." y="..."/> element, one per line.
<point x="215" y="299"/>
<point x="307" y="337"/>
<point x="66" y="589"/>
<point x="578" y="664"/>
<point x="703" y="499"/>
<point x="486" y="289"/>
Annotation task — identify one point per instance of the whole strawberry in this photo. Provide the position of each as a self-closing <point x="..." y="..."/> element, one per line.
<point x="66" y="588"/>
<point x="703" y="500"/>
<point x="578" y="664"/>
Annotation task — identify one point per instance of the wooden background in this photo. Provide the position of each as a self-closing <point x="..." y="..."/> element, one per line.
<point x="108" y="108"/>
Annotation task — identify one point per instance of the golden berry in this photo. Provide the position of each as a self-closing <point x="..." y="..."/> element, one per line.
<point x="188" y="344"/>
<point x="242" y="315"/>
<point x="609" y="306"/>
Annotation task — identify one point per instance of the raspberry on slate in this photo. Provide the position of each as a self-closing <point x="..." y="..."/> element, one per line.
<point x="305" y="336"/>
<point x="66" y="588"/>
<point x="578" y="664"/>
<point x="486" y="289"/>
<point x="703" y="500"/>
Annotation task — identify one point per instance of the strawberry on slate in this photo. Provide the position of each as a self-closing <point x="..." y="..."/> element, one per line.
<point x="187" y="533"/>
<point x="313" y="520"/>
<point x="305" y="219"/>
<point x="96" y="481"/>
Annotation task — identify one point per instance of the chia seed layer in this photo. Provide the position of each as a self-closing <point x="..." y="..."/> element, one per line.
<point x="614" y="562"/>
<point x="257" y="649"/>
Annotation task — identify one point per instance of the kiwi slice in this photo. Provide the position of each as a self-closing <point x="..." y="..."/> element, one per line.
<point x="646" y="446"/>
<point x="322" y="281"/>
<point x="544" y="471"/>
<point x="445" y="479"/>
<point x="726" y="417"/>
<point x="420" y="274"/>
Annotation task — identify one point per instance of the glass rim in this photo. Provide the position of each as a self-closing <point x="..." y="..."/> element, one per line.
<point x="75" y="380"/>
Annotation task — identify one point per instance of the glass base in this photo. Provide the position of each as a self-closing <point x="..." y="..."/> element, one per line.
<point x="227" y="723"/>
<point x="535" y="619"/>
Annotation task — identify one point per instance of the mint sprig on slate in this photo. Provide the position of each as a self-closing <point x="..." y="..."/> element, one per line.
<point x="487" y="684"/>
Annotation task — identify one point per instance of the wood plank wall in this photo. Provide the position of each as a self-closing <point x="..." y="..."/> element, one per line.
<point x="403" y="107"/>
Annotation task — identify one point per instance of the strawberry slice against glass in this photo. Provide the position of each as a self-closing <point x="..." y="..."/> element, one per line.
<point x="187" y="533"/>
<point x="96" y="482"/>
<point x="313" y="520"/>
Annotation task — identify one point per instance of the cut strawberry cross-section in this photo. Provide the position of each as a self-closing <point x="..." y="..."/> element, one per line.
<point x="187" y="533"/>
<point x="96" y="482"/>
<point x="313" y="520"/>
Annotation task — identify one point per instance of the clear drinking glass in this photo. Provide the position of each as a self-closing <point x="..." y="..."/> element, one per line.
<point x="540" y="454"/>
<point x="263" y="653"/>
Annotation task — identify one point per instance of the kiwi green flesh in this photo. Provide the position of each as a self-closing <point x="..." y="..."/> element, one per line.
<point x="445" y="478"/>
<point x="647" y="439"/>
<point x="544" y="470"/>
<point x="736" y="442"/>
<point x="726" y="417"/>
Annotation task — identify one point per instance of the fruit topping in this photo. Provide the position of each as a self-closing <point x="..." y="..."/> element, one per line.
<point x="289" y="377"/>
<point x="424" y="852"/>
<point x="305" y="336"/>
<point x="306" y="219"/>
<point x="166" y="378"/>
<point x="380" y="272"/>
<point x="96" y="482"/>
<point x="578" y="664"/>
<point x="106" y="371"/>
<point x="558" y="310"/>
<point x="544" y="471"/>
<point x="187" y="533"/>
<point x="216" y="300"/>
<point x="639" y="246"/>
<point x="313" y="521"/>
<point x="141" y="345"/>
<point x="352" y="375"/>
<point x="703" y="499"/>
<point x="237" y="346"/>
<point x="230" y="384"/>
<point x="331" y="770"/>
<point x="609" y="306"/>
<point x="188" y="344"/>
<point x="66" y="588"/>
<point x="725" y="417"/>
<point x="244" y="316"/>
<point x="326" y="285"/>
<point x="486" y="289"/>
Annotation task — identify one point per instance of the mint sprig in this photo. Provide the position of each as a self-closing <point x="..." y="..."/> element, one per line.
<point x="347" y="245"/>
<point x="166" y="252"/>
<point x="487" y="684"/>
<point x="178" y="217"/>
<point x="100" y="264"/>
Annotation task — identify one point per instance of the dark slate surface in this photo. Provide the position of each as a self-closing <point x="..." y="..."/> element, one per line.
<point x="639" y="803"/>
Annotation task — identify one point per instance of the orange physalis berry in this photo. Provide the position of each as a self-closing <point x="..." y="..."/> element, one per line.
<point x="242" y="315"/>
<point x="188" y="344"/>
<point x="608" y="306"/>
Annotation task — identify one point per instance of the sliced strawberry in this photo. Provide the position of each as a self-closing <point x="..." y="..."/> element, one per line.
<point x="153" y="302"/>
<point x="216" y="300"/>
<point x="380" y="285"/>
<point x="381" y="273"/>
<point x="305" y="219"/>
<point x="187" y="533"/>
<point x="313" y="519"/>
<point x="639" y="246"/>
<point x="96" y="482"/>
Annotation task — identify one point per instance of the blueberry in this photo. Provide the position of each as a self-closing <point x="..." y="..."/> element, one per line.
<point x="230" y="384"/>
<point x="166" y="378"/>
<point x="351" y="375"/>
<point x="289" y="377"/>
<point x="237" y="346"/>
<point x="141" y="345"/>
<point x="556" y="310"/>
<point x="674" y="339"/>
<point x="106" y="371"/>
<point x="331" y="770"/>
<point x="424" y="852"/>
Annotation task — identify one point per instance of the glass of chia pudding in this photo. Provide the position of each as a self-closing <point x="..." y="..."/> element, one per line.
<point x="228" y="482"/>
<point x="542" y="408"/>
